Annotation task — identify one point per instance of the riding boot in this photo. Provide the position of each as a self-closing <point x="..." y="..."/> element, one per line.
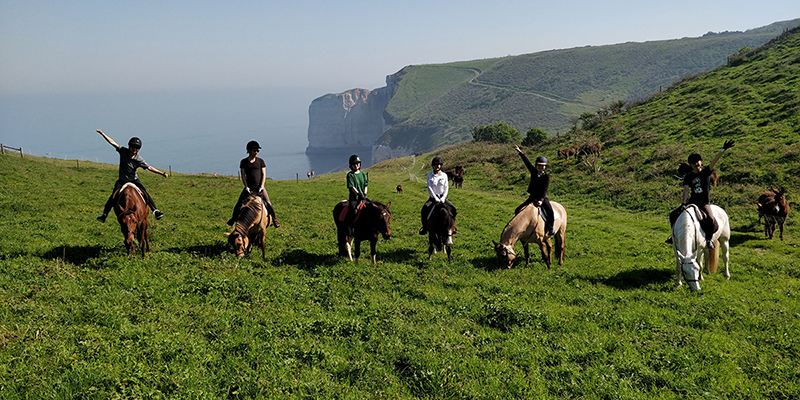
<point x="548" y="228"/>
<point x="271" y="211"/>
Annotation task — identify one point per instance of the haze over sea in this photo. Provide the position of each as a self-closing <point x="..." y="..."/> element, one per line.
<point x="189" y="131"/>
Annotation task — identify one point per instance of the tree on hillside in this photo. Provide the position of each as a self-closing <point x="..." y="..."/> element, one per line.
<point x="500" y="132"/>
<point x="534" y="137"/>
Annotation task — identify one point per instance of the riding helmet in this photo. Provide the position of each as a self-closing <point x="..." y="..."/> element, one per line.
<point x="541" y="160"/>
<point x="694" y="157"/>
<point x="354" y="160"/>
<point x="437" y="161"/>
<point x="253" y="145"/>
<point x="135" y="143"/>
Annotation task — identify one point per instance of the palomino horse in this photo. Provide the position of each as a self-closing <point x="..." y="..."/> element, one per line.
<point x="440" y="230"/>
<point x="372" y="221"/>
<point x="251" y="226"/>
<point x="131" y="212"/>
<point x="689" y="244"/>
<point x="528" y="226"/>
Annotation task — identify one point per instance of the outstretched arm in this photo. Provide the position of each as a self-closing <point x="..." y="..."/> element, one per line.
<point x="108" y="139"/>
<point x="154" y="170"/>
<point x="527" y="162"/>
<point x="728" y="144"/>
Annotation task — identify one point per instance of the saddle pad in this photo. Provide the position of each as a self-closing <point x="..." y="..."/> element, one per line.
<point x="556" y="215"/>
<point x="346" y="208"/>
<point x="136" y="188"/>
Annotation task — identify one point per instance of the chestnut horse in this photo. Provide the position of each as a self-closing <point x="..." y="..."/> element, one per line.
<point x="131" y="212"/>
<point x="372" y="221"/>
<point x="251" y="226"/>
<point x="528" y="226"/>
<point x="440" y="230"/>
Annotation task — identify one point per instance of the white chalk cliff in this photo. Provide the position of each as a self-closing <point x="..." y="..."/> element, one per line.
<point x="349" y="120"/>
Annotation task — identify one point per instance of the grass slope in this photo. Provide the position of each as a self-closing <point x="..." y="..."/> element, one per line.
<point x="80" y="319"/>
<point x="436" y="105"/>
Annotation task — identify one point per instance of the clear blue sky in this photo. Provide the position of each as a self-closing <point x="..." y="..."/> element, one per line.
<point x="109" y="46"/>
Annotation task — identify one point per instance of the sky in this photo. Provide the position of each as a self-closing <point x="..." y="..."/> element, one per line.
<point x="68" y="66"/>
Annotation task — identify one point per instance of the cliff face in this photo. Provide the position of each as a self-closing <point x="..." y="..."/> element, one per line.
<point x="349" y="120"/>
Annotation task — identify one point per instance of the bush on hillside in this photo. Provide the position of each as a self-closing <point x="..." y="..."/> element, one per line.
<point x="534" y="137"/>
<point x="500" y="132"/>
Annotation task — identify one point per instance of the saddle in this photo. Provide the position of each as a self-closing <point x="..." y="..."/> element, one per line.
<point x="136" y="188"/>
<point x="707" y="224"/>
<point x="346" y="210"/>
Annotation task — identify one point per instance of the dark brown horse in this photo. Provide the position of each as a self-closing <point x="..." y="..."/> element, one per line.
<point x="251" y="227"/>
<point x="441" y="225"/>
<point x="131" y="212"/>
<point x="372" y="221"/>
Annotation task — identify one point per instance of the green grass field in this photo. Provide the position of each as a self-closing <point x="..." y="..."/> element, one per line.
<point x="80" y="319"/>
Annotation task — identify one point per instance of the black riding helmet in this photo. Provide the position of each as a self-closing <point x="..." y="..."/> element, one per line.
<point x="135" y="143"/>
<point x="694" y="157"/>
<point x="541" y="160"/>
<point x="253" y="145"/>
<point x="354" y="160"/>
<point x="437" y="161"/>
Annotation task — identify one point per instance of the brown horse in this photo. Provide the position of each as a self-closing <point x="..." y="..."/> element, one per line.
<point x="251" y="226"/>
<point x="131" y="212"/>
<point x="528" y="226"/>
<point x="372" y="221"/>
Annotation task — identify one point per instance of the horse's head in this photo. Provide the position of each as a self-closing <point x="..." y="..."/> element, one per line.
<point x="691" y="269"/>
<point x="505" y="254"/>
<point x="384" y="216"/>
<point x="129" y="225"/>
<point x="239" y="243"/>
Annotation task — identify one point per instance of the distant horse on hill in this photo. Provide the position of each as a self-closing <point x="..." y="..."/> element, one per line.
<point x="131" y="212"/>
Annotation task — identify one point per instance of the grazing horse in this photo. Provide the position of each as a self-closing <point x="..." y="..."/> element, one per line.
<point x="251" y="226"/>
<point x="528" y="226"/>
<point x="774" y="208"/>
<point x="441" y="225"/>
<point x="131" y="212"/>
<point x="371" y="222"/>
<point x="689" y="245"/>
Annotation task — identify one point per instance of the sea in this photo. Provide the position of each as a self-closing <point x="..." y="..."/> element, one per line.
<point x="191" y="131"/>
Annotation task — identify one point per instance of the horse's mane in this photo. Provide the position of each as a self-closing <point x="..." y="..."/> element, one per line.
<point x="249" y="213"/>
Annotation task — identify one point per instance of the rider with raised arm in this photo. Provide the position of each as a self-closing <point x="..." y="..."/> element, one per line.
<point x="438" y="187"/>
<point x="129" y="161"/>
<point x="696" y="190"/>
<point x="537" y="189"/>
<point x="253" y="171"/>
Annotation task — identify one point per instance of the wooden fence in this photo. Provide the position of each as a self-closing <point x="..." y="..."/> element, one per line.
<point x="4" y="147"/>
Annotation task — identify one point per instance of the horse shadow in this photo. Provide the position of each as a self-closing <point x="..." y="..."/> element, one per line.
<point x="204" y="250"/>
<point x="396" y="256"/>
<point x="77" y="255"/>
<point x="306" y="261"/>
<point x="488" y="264"/>
<point x="636" y="279"/>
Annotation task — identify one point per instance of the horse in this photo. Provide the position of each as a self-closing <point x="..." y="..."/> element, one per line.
<point x="441" y="225"/>
<point x="251" y="226"/>
<point x="131" y="211"/>
<point x="774" y="208"/>
<point x="399" y="189"/>
<point x="689" y="245"/>
<point x="529" y="225"/>
<point x="371" y="222"/>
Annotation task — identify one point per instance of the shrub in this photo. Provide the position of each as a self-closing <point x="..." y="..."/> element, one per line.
<point x="500" y="132"/>
<point x="534" y="137"/>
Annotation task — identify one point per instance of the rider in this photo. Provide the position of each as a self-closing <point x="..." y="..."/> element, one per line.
<point x="254" y="172"/>
<point x="438" y="186"/>
<point x="537" y="189"/>
<point x="697" y="182"/>
<point x="357" y="184"/>
<point x="129" y="161"/>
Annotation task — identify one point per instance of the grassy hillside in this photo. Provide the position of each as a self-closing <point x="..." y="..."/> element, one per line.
<point x="80" y="319"/>
<point x="436" y="105"/>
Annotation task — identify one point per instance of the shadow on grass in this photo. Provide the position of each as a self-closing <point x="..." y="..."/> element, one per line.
<point x="488" y="264"/>
<point x="77" y="255"/>
<point x="739" y="238"/>
<point x="305" y="260"/>
<point x="206" y="250"/>
<point x="637" y="279"/>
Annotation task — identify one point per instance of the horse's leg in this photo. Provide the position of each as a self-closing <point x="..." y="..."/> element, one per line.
<point x="780" y="225"/>
<point x="447" y="250"/>
<point x="526" y="248"/>
<point x="262" y="242"/>
<point x="679" y="272"/>
<point x="357" y="254"/>
<point x="431" y="247"/>
<point x="724" y="253"/>
<point x="373" y="244"/>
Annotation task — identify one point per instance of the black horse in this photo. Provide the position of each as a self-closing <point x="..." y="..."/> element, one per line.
<point x="441" y="225"/>
<point x="372" y="221"/>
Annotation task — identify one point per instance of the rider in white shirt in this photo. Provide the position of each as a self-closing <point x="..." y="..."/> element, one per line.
<point x="438" y="186"/>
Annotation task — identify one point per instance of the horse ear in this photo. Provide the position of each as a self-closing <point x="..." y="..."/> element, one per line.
<point x="227" y="233"/>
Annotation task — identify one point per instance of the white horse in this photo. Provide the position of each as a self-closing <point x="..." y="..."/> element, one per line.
<point x="689" y="244"/>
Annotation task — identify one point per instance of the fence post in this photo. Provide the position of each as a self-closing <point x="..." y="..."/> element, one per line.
<point x="298" y="177"/>
<point x="170" y="170"/>
<point x="2" y="149"/>
<point x="77" y="164"/>
<point x="20" y="152"/>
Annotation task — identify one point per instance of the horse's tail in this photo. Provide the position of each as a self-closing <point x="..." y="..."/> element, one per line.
<point x="713" y="258"/>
